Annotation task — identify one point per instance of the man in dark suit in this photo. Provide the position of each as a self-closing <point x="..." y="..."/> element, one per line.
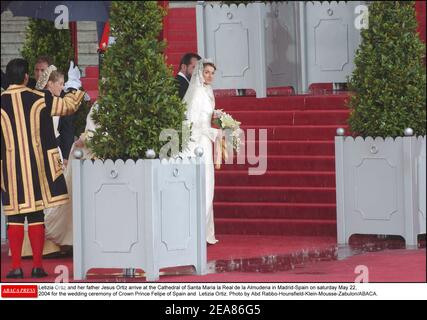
<point x="66" y="135"/>
<point x="186" y="67"/>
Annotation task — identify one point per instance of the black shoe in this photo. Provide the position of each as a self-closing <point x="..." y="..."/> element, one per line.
<point x="38" y="273"/>
<point x="15" y="274"/>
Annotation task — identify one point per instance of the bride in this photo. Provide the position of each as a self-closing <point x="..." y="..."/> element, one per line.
<point x="200" y="109"/>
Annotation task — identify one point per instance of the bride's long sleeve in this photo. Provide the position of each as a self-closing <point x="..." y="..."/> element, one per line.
<point x="201" y="121"/>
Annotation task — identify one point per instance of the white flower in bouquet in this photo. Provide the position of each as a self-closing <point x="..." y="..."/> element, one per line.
<point x="226" y="122"/>
<point x="236" y="139"/>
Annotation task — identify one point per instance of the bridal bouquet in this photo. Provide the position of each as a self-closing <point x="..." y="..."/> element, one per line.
<point x="226" y="122"/>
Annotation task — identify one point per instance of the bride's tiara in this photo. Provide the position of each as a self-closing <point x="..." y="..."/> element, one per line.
<point x="207" y="60"/>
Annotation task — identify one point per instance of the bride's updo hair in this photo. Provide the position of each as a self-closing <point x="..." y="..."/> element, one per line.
<point x="209" y="64"/>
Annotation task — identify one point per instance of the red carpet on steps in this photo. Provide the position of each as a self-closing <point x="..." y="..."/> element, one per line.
<point x="296" y="195"/>
<point x="90" y="82"/>
<point x="180" y="34"/>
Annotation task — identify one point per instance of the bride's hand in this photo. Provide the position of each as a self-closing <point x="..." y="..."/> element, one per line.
<point x="217" y="114"/>
<point x="79" y="143"/>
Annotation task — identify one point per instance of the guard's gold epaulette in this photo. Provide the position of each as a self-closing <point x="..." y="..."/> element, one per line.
<point x="5" y="92"/>
<point x="40" y="93"/>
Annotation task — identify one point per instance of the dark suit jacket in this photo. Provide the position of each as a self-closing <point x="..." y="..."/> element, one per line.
<point x="66" y="135"/>
<point x="32" y="83"/>
<point x="4" y="83"/>
<point x="65" y="139"/>
<point x="182" y="85"/>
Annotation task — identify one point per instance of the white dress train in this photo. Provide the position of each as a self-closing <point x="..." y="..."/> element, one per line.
<point x="59" y="220"/>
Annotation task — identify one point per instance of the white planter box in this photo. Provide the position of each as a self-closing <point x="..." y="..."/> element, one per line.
<point x="380" y="187"/>
<point x="145" y="214"/>
<point x="280" y="44"/>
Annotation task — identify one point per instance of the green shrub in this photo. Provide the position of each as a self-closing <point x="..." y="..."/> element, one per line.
<point x="389" y="79"/>
<point x="43" y="39"/>
<point x="138" y="93"/>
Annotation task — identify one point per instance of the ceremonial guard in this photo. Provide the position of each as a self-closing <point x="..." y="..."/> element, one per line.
<point x="31" y="167"/>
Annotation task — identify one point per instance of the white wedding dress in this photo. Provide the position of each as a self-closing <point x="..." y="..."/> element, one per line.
<point x="59" y="220"/>
<point x="200" y="107"/>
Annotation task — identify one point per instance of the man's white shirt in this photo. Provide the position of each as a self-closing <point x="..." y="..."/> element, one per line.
<point x="183" y="75"/>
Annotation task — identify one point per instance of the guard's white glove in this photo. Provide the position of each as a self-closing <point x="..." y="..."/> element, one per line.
<point x="73" y="78"/>
<point x="86" y="97"/>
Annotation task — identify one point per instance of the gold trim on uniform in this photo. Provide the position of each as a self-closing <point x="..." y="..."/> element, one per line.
<point x="14" y="88"/>
<point x="35" y="137"/>
<point x="24" y="153"/>
<point x="68" y="104"/>
<point x="19" y="88"/>
<point x="37" y="92"/>
<point x="56" y="106"/>
<point x="49" y="201"/>
<point x="40" y="205"/>
<point x="35" y="223"/>
<point x="15" y="224"/>
<point x="2" y="176"/>
<point x="6" y="126"/>
<point x="55" y="163"/>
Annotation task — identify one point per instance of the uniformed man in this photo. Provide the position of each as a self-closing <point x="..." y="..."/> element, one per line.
<point x="31" y="168"/>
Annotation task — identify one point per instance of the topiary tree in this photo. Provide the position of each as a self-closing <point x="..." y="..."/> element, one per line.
<point x="138" y="93"/>
<point x="43" y="39"/>
<point x="389" y="79"/>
